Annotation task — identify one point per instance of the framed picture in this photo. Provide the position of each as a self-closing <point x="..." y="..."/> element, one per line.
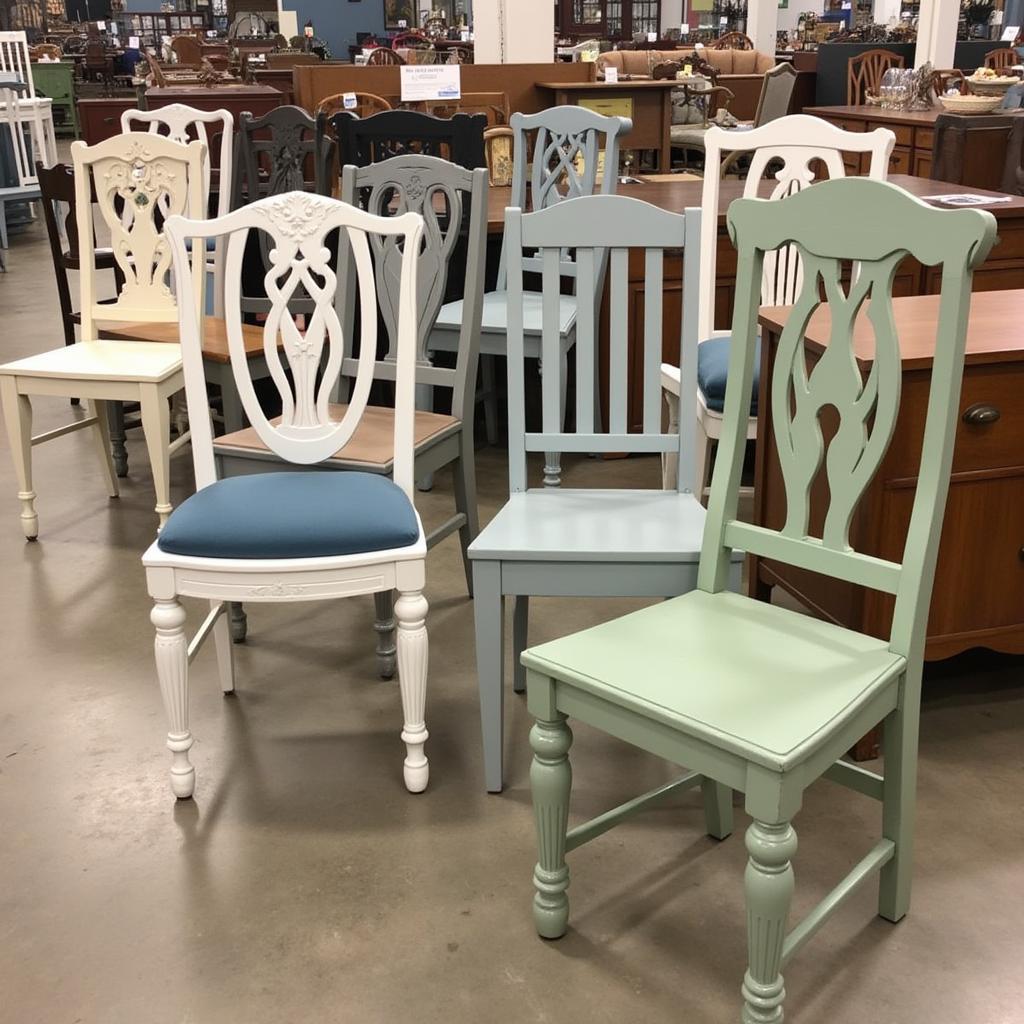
<point x="400" y="10"/>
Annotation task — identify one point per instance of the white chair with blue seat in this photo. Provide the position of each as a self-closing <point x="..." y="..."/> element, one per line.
<point x="564" y="163"/>
<point x="297" y="536"/>
<point x="784" y="154"/>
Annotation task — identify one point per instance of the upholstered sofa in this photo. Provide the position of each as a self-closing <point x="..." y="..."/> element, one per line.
<point x="740" y="71"/>
<point x="728" y="62"/>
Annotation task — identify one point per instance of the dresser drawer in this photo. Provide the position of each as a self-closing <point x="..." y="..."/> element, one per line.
<point x="990" y="427"/>
<point x="904" y="133"/>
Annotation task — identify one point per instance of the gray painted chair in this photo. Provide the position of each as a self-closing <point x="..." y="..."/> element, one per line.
<point x="748" y="695"/>
<point x="564" y="163"/>
<point x="773" y="103"/>
<point x="556" y="541"/>
<point x="453" y="203"/>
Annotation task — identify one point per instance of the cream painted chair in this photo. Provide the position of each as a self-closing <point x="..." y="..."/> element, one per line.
<point x="295" y="536"/>
<point x="795" y="142"/>
<point x="135" y="176"/>
<point x="27" y="112"/>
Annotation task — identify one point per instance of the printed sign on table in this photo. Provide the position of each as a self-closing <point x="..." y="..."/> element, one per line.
<point x="431" y="82"/>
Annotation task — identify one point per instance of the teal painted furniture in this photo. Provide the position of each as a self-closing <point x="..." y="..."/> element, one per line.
<point x="56" y="80"/>
<point x="573" y="542"/>
<point x="754" y="697"/>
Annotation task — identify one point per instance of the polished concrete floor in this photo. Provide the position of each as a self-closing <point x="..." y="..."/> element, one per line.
<point x="303" y="883"/>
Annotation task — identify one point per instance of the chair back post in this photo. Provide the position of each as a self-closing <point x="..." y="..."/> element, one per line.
<point x="564" y="136"/>
<point x="417" y="183"/>
<point x="828" y="226"/>
<point x="798" y="141"/>
<point x="138" y="178"/>
<point x="57" y="185"/>
<point x="304" y="366"/>
<point x="600" y="228"/>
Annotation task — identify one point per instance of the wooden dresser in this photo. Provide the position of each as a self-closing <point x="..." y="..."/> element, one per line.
<point x="978" y="600"/>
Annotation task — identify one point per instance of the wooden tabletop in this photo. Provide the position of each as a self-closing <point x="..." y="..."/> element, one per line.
<point x="864" y="111"/>
<point x="686" y="191"/>
<point x="993" y="330"/>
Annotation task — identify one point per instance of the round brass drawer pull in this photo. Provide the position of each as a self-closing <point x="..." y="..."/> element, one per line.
<point x="979" y="414"/>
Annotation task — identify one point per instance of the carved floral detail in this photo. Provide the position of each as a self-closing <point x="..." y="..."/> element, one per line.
<point x="296" y="216"/>
<point x="278" y="590"/>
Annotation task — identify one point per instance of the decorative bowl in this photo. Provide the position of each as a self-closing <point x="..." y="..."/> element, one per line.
<point x="959" y="104"/>
<point x="990" y="86"/>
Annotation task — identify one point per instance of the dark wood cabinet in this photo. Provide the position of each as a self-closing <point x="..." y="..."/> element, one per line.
<point x="101" y="119"/>
<point x="607" y="19"/>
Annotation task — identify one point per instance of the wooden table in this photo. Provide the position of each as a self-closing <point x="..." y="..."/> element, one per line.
<point x="1003" y="269"/>
<point x="978" y="599"/>
<point x="647" y="102"/>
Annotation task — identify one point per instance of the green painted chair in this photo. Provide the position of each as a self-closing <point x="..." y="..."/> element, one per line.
<point x="753" y="697"/>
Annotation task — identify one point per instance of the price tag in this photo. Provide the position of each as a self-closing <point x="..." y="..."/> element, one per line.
<point x="349" y="101"/>
<point x="133" y="42"/>
<point x="723" y="21"/>
<point x="611" y="75"/>
<point x="113" y="28"/>
<point x="101" y="25"/>
<point x="402" y="23"/>
<point x="684" y="30"/>
<point x="464" y="34"/>
<point x="652" y="37"/>
<point x="309" y="31"/>
<point x="431" y="82"/>
<point x="1010" y="33"/>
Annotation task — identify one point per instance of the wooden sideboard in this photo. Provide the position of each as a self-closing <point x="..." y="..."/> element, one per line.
<point x="978" y="598"/>
<point x="100" y="119"/>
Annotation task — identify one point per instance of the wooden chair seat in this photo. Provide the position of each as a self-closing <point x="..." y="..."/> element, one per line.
<point x="215" y="338"/>
<point x="104" y="359"/>
<point x="770" y="684"/>
<point x="568" y="524"/>
<point x="371" y="448"/>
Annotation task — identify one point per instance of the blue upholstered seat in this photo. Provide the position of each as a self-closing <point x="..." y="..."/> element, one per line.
<point x="713" y="369"/>
<point x="292" y="515"/>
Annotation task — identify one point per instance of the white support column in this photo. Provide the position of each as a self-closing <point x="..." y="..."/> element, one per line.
<point x="514" y="32"/>
<point x="936" y="32"/>
<point x="763" y="23"/>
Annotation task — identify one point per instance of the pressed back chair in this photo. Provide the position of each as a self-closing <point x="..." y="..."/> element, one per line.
<point x="295" y="536"/>
<point x="384" y="55"/>
<point x="782" y="156"/>
<point x="498" y="143"/>
<point x="864" y="74"/>
<point x="751" y="696"/>
<point x="453" y="202"/>
<point x="556" y="155"/>
<point x="560" y="541"/>
<point x="137" y="179"/>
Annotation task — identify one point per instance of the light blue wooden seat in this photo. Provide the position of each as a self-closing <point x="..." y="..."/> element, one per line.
<point x="762" y="699"/>
<point x="555" y="540"/>
<point x="563" y="164"/>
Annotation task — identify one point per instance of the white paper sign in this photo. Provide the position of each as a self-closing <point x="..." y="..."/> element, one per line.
<point x="402" y="23"/>
<point x="684" y="30"/>
<point x="611" y="75"/>
<point x="723" y="20"/>
<point x="652" y="37"/>
<point x="114" y="28"/>
<point x="1010" y="33"/>
<point x="431" y="82"/>
<point x="464" y="34"/>
<point x="101" y="25"/>
<point x="349" y="100"/>
<point x="133" y="42"/>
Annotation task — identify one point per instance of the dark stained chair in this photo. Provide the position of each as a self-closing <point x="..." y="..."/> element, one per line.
<point x="391" y="133"/>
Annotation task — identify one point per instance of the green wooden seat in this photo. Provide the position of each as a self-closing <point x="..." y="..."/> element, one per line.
<point x="757" y="698"/>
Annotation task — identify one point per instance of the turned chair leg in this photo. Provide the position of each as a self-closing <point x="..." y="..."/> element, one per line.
<point x="769" y="890"/>
<point x="18" y="419"/>
<point x="384" y="624"/>
<point x="550" y="785"/>
<point x="156" y="425"/>
<point x="238" y="621"/>
<point x="171" y="649"/>
<point x="411" y="612"/>
<point x="115" y="412"/>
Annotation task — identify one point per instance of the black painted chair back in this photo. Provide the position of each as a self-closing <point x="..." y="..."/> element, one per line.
<point x="391" y="133"/>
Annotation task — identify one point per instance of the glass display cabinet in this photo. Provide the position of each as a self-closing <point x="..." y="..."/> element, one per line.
<point x="608" y="19"/>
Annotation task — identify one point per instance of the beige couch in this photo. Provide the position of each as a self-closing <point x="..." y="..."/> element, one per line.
<point x="728" y="62"/>
<point x="740" y="71"/>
